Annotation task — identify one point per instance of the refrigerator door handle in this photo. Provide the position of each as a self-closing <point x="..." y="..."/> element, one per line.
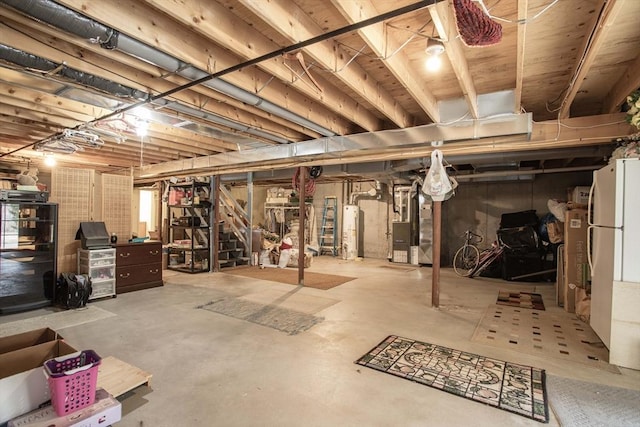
<point x="589" y="258"/>
<point x="590" y="205"/>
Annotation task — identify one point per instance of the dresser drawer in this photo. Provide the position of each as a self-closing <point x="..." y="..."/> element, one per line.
<point x="135" y="274"/>
<point x="138" y="254"/>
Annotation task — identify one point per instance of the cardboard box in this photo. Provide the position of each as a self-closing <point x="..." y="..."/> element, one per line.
<point x="576" y="267"/>
<point x="583" y="305"/>
<point x="27" y="339"/>
<point x="105" y="411"/>
<point x="580" y="195"/>
<point x="23" y="385"/>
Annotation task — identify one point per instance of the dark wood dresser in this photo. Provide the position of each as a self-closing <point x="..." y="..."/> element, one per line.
<point x="138" y="266"/>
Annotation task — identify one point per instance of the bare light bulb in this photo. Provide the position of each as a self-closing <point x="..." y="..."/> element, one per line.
<point x="141" y="129"/>
<point x="434" y="51"/>
<point x="49" y="160"/>
<point x="433" y="63"/>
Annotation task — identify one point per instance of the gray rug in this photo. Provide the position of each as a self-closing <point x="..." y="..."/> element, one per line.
<point x="583" y="404"/>
<point x="56" y="321"/>
<point x="290" y="321"/>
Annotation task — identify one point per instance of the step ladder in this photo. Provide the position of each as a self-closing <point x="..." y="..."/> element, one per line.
<point x="329" y="232"/>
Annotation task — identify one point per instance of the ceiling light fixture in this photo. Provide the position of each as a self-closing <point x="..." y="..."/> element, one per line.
<point x="434" y="51"/>
<point x="49" y="160"/>
<point x="142" y="116"/>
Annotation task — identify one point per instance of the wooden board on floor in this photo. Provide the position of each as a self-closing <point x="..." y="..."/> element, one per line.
<point x="118" y="377"/>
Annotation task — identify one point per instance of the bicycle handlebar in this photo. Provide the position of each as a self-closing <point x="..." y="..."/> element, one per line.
<point x="470" y="235"/>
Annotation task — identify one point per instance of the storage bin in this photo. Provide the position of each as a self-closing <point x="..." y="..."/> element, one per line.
<point x="72" y="380"/>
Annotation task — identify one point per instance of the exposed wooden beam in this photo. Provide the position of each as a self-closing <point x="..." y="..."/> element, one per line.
<point x="76" y="110"/>
<point x="160" y="31"/>
<point x="293" y="23"/>
<point x="629" y="82"/>
<point x="43" y="108"/>
<point x="222" y="105"/>
<point x="216" y="23"/>
<point x="443" y="19"/>
<point x="98" y="65"/>
<point x="383" y="44"/>
<point x="574" y="132"/>
<point x="52" y="101"/>
<point x="604" y="21"/>
<point x="38" y="116"/>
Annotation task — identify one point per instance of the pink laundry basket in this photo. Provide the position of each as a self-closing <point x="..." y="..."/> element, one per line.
<point x="72" y="380"/>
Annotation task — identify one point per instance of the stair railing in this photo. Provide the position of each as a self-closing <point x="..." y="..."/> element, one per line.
<point x="234" y="215"/>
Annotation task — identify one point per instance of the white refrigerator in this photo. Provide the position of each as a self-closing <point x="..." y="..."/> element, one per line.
<point x="614" y="225"/>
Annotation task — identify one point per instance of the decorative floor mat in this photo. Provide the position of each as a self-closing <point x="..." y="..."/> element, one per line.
<point x="290" y="321"/>
<point x="512" y="387"/>
<point x="543" y="333"/>
<point x="290" y="276"/>
<point x="520" y="299"/>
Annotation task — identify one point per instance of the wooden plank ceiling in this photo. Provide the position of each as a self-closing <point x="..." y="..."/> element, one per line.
<point x="62" y="90"/>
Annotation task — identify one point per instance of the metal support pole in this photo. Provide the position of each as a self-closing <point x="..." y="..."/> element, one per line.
<point x="437" y="237"/>
<point x="215" y="224"/>
<point x="302" y="210"/>
<point x="249" y="230"/>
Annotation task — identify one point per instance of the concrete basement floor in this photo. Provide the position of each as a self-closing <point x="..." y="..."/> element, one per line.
<point x="213" y="370"/>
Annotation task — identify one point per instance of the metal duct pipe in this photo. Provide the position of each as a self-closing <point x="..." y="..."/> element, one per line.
<point x="28" y="60"/>
<point x="82" y="26"/>
<point x="498" y="174"/>
<point x="352" y="198"/>
<point x="337" y="148"/>
<point x="220" y="120"/>
<point x="492" y="158"/>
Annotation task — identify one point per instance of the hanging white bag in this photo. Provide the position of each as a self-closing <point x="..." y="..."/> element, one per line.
<point x="436" y="183"/>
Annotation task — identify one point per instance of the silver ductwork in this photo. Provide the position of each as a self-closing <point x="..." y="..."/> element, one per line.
<point x="30" y="61"/>
<point x="494" y="158"/>
<point x="27" y="60"/>
<point x="75" y="23"/>
<point x="221" y="121"/>
<point x="334" y="148"/>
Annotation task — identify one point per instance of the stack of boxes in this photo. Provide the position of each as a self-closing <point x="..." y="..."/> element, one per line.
<point x="576" y="265"/>
<point x="24" y="388"/>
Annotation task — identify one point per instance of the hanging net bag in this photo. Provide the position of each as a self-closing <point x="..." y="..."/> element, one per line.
<point x="474" y="26"/>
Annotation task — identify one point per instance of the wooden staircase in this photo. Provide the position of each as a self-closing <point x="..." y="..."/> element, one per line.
<point x="233" y="231"/>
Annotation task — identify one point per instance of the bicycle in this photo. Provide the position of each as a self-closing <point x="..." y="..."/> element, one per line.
<point x="470" y="262"/>
<point x="467" y="258"/>
<point x="488" y="257"/>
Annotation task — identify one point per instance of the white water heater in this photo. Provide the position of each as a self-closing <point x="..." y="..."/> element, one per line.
<point x="350" y="214"/>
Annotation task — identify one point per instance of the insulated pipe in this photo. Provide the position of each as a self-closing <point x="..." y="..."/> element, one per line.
<point x="75" y="23"/>
<point x="28" y="60"/>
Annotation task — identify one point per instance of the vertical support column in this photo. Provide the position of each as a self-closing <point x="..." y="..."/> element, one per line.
<point x="302" y="176"/>
<point x="214" y="190"/>
<point x="437" y="238"/>
<point x="249" y="225"/>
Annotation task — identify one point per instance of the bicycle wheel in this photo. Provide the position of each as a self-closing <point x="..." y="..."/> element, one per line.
<point x="465" y="260"/>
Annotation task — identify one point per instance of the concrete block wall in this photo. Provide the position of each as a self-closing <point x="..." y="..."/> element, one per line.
<point x="479" y="206"/>
<point x="476" y="206"/>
